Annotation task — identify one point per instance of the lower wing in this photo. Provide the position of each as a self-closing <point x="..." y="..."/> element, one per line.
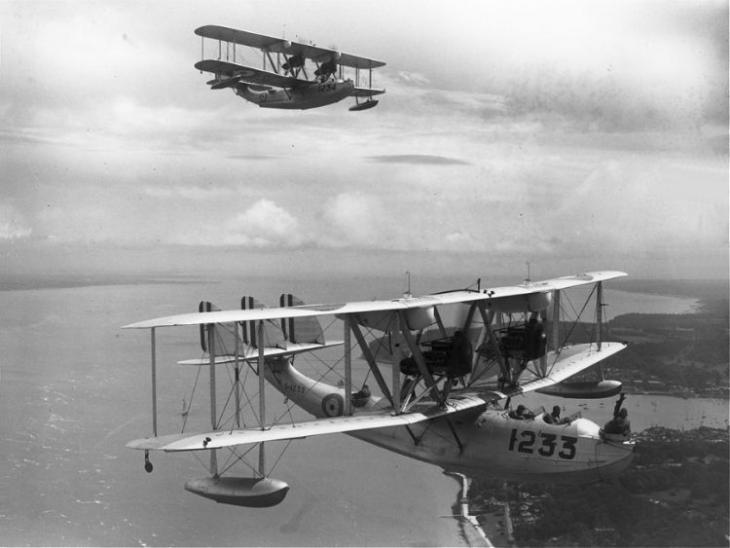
<point x="365" y="421"/>
<point x="248" y="74"/>
<point x="366" y="92"/>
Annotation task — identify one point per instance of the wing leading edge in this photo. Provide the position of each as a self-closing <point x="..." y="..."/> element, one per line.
<point x="230" y="438"/>
<point x="281" y="45"/>
<point x="451" y="297"/>
<point x="248" y="74"/>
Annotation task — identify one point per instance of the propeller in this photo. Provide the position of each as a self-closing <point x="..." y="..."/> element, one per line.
<point x="328" y="64"/>
<point x="293" y="62"/>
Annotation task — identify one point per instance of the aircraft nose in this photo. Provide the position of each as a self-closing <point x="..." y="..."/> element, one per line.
<point x="616" y="456"/>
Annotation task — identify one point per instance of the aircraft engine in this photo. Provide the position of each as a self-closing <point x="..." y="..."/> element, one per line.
<point x="326" y="68"/>
<point x="295" y="61"/>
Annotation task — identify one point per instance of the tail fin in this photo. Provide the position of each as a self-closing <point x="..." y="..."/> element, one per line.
<point x="272" y="334"/>
<point x="205" y="306"/>
<point x="225" y="335"/>
<point x="300" y="330"/>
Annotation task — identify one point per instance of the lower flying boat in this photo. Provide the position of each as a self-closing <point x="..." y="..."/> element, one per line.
<point x="456" y="360"/>
<point x="285" y="83"/>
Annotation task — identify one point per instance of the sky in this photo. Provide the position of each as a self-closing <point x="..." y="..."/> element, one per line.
<point x="576" y="135"/>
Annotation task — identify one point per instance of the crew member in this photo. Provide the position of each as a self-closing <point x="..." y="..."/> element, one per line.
<point x="554" y="417"/>
<point x="521" y="413"/>
<point x="620" y="423"/>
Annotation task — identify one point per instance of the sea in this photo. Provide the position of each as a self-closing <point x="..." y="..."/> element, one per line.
<point x="75" y="387"/>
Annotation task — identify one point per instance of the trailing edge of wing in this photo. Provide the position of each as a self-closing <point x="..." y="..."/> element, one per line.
<point x="573" y="360"/>
<point x="248" y="74"/>
<point x="450" y="297"/>
<point x="365" y="421"/>
<point x="252" y="354"/>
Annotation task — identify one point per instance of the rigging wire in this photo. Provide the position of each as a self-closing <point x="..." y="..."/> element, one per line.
<point x="186" y="412"/>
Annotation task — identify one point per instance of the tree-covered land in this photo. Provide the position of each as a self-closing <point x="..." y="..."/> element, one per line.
<point x="681" y="354"/>
<point x="674" y="494"/>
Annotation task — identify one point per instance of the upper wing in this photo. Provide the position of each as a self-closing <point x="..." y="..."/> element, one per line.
<point x="364" y="421"/>
<point x="245" y="38"/>
<point x="281" y="45"/>
<point x="451" y="297"/>
<point x="356" y="61"/>
<point x="248" y="74"/>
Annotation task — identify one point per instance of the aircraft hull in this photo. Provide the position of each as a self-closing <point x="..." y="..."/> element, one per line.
<point x="484" y="443"/>
<point x="316" y="94"/>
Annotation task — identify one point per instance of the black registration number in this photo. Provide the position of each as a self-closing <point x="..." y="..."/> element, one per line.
<point x="542" y="443"/>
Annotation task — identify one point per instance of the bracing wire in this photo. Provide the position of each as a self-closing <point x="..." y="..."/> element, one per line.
<point x="190" y="403"/>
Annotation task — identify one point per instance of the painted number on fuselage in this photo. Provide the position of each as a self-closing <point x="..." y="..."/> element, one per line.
<point x="525" y="442"/>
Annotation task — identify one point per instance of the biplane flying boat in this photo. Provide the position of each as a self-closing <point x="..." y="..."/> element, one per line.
<point x="286" y="81"/>
<point x="455" y="361"/>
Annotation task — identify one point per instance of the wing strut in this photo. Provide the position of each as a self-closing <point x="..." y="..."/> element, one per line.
<point x="371" y="361"/>
<point x="237" y="373"/>
<point x="420" y="362"/>
<point x="556" y="320"/>
<point x="213" y="411"/>
<point x="262" y="399"/>
<point x="154" y="382"/>
<point x="348" y="368"/>
<point x="147" y="464"/>
<point x="599" y="313"/>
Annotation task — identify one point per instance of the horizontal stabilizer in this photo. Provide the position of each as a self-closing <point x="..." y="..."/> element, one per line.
<point x="252" y="354"/>
<point x="363" y="421"/>
<point x="299" y="330"/>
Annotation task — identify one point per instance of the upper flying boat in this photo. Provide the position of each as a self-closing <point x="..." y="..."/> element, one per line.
<point x="298" y="75"/>
<point x="446" y="368"/>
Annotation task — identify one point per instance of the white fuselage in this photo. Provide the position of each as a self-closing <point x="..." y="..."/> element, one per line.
<point x="311" y="95"/>
<point x="492" y="443"/>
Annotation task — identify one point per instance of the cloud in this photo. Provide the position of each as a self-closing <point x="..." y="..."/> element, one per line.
<point x="13" y="225"/>
<point x="428" y="159"/>
<point x="263" y="225"/>
<point x="413" y="78"/>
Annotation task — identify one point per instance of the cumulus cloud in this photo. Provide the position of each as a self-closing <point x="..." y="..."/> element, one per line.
<point x="264" y="224"/>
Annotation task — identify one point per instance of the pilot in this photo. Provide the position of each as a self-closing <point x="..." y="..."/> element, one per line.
<point x="554" y="416"/>
<point x="521" y="413"/>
